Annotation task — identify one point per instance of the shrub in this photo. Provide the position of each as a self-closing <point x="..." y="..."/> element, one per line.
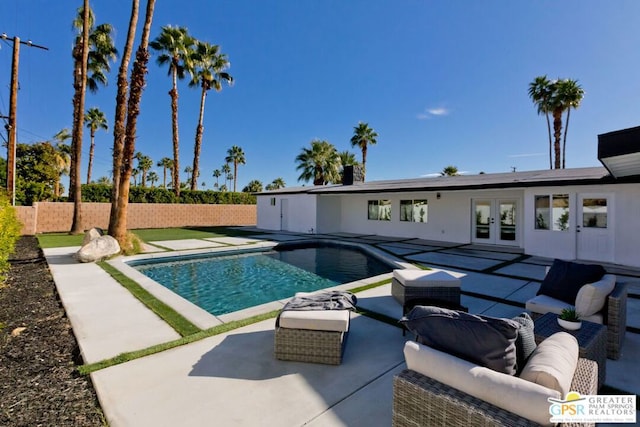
<point x="9" y="233"/>
<point x="102" y="193"/>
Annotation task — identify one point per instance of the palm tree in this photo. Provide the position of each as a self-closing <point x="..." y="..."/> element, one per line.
<point x="144" y="164"/>
<point x="134" y="175"/>
<point x="175" y="47"/>
<point x="363" y="136"/>
<point x="188" y="170"/>
<point x="94" y="120"/>
<point x="209" y="73"/>
<point x="276" y="184"/>
<point x="319" y="163"/>
<point x="92" y="53"/>
<point x="235" y="155"/>
<point x="230" y="179"/>
<point x="104" y="180"/>
<point x="153" y="177"/>
<point x="62" y="157"/>
<point x="80" y="55"/>
<point x="571" y="95"/>
<point x="136" y="86"/>
<point x="223" y="187"/>
<point x="120" y="121"/>
<point x="216" y="175"/>
<point x="254" y="186"/>
<point x="540" y="92"/>
<point x="165" y="163"/>
<point x="226" y="170"/>
<point x="450" y="171"/>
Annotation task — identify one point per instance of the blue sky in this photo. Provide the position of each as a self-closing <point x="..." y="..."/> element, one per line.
<point x="442" y="82"/>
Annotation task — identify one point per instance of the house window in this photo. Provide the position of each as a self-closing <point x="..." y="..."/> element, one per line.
<point x="379" y="210"/>
<point x="552" y="212"/>
<point x="273" y="201"/>
<point x="413" y="210"/>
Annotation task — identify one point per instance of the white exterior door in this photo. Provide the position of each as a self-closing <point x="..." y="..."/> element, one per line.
<point x="495" y="221"/>
<point x="594" y="227"/>
<point x="284" y="214"/>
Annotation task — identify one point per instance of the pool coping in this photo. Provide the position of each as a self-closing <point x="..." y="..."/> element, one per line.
<point x="205" y="320"/>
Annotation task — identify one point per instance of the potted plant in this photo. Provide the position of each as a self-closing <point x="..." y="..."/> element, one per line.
<point x="569" y="319"/>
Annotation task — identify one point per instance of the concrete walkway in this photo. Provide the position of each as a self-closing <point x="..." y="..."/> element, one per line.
<point x="233" y="378"/>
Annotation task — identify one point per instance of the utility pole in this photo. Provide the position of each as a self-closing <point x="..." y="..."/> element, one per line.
<point x="11" y="126"/>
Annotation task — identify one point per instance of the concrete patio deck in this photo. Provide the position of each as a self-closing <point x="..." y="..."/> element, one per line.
<point x="233" y="378"/>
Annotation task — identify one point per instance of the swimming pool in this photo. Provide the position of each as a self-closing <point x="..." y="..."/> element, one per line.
<point x="222" y="284"/>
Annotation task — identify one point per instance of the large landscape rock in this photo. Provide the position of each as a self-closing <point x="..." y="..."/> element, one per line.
<point x="91" y="234"/>
<point x="97" y="249"/>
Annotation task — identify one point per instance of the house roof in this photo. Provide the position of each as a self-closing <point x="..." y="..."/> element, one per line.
<point x="540" y="178"/>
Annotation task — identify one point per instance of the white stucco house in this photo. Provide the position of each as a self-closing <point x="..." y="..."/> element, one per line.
<point x="590" y="214"/>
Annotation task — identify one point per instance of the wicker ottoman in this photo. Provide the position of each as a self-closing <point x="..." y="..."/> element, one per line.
<point x="434" y="284"/>
<point x="315" y="336"/>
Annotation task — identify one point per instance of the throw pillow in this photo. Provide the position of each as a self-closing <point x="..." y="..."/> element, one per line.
<point x="554" y="362"/>
<point x="483" y="340"/>
<point x="565" y="278"/>
<point x="526" y="340"/>
<point x="592" y="297"/>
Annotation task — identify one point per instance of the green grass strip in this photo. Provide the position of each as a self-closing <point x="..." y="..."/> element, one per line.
<point x="370" y="286"/>
<point x="216" y="330"/>
<point x="166" y="313"/>
<point x="59" y="240"/>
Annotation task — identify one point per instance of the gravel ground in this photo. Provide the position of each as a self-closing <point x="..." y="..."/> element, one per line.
<point x="39" y="384"/>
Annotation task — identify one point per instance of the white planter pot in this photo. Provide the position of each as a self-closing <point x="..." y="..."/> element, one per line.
<point x="572" y="326"/>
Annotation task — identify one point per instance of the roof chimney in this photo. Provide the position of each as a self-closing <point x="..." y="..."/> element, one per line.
<point x="352" y="174"/>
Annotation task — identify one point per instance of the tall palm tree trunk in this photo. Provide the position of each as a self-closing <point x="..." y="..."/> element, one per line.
<point x="133" y="110"/>
<point x="91" y="151"/>
<point x="198" y="144"/>
<point x="78" y="102"/>
<point x="364" y="161"/>
<point x="174" y="127"/>
<point x="557" y="133"/>
<point x="550" y="142"/>
<point x="164" y="177"/>
<point x="121" y="115"/>
<point x="564" y="140"/>
<point x="235" y="175"/>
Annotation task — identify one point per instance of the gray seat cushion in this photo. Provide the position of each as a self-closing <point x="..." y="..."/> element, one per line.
<point x="483" y="340"/>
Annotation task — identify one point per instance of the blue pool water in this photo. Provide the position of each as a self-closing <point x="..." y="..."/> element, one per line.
<point x="225" y="283"/>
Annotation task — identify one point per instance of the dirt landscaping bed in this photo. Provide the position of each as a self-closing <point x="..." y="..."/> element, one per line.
<point x="39" y="384"/>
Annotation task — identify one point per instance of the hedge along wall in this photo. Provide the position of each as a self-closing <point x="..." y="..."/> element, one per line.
<point x="49" y="217"/>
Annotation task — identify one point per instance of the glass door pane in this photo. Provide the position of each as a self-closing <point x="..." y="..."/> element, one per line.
<point x="594" y="213"/>
<point x="508" y="220"/>
<point x="483" y="219"/>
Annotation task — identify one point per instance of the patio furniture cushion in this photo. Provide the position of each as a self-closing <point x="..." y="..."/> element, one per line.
<point x="520" y="397"/>
<point x="526" y="340"/>
<point x="565" y="278"/>
<point x="553" y="363"/>
<point x="592" y="296"/>
<point x="488" y="341"/>
<point x="316" y="320"/>
<point x="426" y="278"/>
<point x="546" y="304"/>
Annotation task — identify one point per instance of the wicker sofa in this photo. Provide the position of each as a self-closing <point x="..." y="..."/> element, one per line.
<point x="421" y="400"/>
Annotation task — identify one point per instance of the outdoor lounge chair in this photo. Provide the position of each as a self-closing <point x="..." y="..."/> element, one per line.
<point x="612" y="311"/>
<point x="421" y="400"/>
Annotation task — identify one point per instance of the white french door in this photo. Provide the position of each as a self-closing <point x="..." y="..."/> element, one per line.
<point x="594" y="227"/>
<point x="495" y="221"/>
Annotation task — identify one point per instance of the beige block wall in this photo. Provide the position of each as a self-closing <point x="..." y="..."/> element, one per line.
<point x="49" y="217"/>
